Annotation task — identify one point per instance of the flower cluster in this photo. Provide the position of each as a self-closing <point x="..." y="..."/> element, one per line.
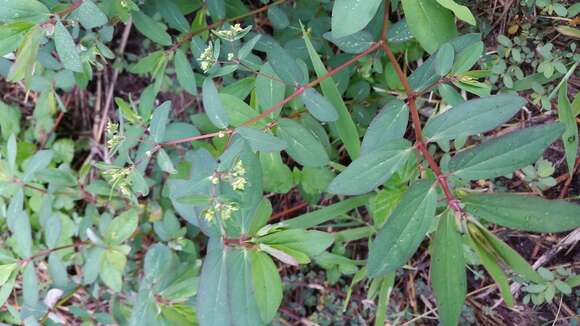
<point x="113" y="136"/>
<point x="119" y="178"/>
<point x="207" y="58"/>
<point x="232" y="33"/>
<point x="225" y="210"/>
<point x="237" y="176"/>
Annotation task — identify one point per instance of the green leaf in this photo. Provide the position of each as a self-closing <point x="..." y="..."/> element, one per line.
<point x="159" y="121"/>
<point x="29" y="286"/>
<point x="371" y="170"/>
<point x="325" y="214"/>
<point x="444" y="59"/>
<point x="461" y="12"/>
<point x="491" y="266"/>
<point x="52" y="231"/>
<point x="213" y="105"/>
<point x="567" y="117"/>
<point x="37" y="162"/>
<point x="89" y="15"/>
<point x="267" y="285"/>
<point x="32" y="11"/>
<point x="404" y="230"/>
<point x="66" y="48"/>
<point x="239" y="112"/>
<point x="171" y="13"/>
<point x="448" y="277"/>
<point x="6" y="289"/>
<point x="354" y="43"/>
<point x="505" y="154"/>
<point x="6" y="272"/>
<point x="345" y="126"/>
<point x="511" y="257"/>
<point x="23" y="67"/>
<point x="226" y="294"/>
<point x="312" y="243"/>
<point x="301" y="144"/>
<point x="285" y="65"/>
<point x="318" y="105"/>
<point x="473" y="117"/>
<point x="387" y="284"/>
<point x="569" y="31"/>
<point x="269" y="89"/>
<point x="122" y="227"/>
<point x="164" y="162"/>
<point x="11" y="35"/>
<point x="524" y="213"/>
<point x="261" y="216"/>
<point x="431" y="24"/>
<point x="261" y="141"/>
<point x="351" y="16"/>
<point x="152" y="29"/>
<point x="384" y="203"/>
<point x="11" y="149"/>
<point x="184" y="72"/>
<point x="111" y="269"/>
<point x="277" y="176"/>
<point x="468" y="57"/>
<point x="217" y="9"/>
<point x="390" y="124"/>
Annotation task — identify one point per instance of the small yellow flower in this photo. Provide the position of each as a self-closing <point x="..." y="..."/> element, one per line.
<point x="206" y="59"/>
<point x="239" y="183"/>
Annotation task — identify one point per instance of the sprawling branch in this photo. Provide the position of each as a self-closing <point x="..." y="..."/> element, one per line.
<point x="420" y="143"/>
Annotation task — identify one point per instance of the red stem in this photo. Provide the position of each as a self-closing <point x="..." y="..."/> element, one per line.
<point x="420" y="144"/>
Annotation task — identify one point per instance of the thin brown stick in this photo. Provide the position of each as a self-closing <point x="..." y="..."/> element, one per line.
<point x="111" y="91"/>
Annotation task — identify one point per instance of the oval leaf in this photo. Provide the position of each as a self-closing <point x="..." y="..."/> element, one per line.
<point x="267" y="285"/>
<point x="66" y="48"/>
<point x="301" y="144"/>
<point x="524" y="213"/>
<point x="318" y="105"/>
<point x="261" y="141"/>
<point x="184" y="72"/>
<point x="390" y="124"/>
<point x="473" y="117"/>
<point x="213" y="105"/>
<point x="371" y="170"/>
<point x="431" y="24"/>
<point x="505" y="154"/>
<point x="404" y="230"/>
<point x="351" y="16"/>
<point x="448" y="277"/>
<point x="444" y="59"/>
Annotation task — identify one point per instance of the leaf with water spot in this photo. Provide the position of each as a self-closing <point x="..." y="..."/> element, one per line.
<point x="351" y="16"/>
<point x="302" y="146"/>
<point x="372" y="169"/>
<point x="404" y="230"/>
<point x="66" y="48"/>
<point x="318" y="105"/>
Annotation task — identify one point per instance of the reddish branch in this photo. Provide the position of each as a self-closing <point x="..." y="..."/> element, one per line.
<point x="49" y="251"/>
<point x="420" y="144"/>
<point x="219" y="23"/>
